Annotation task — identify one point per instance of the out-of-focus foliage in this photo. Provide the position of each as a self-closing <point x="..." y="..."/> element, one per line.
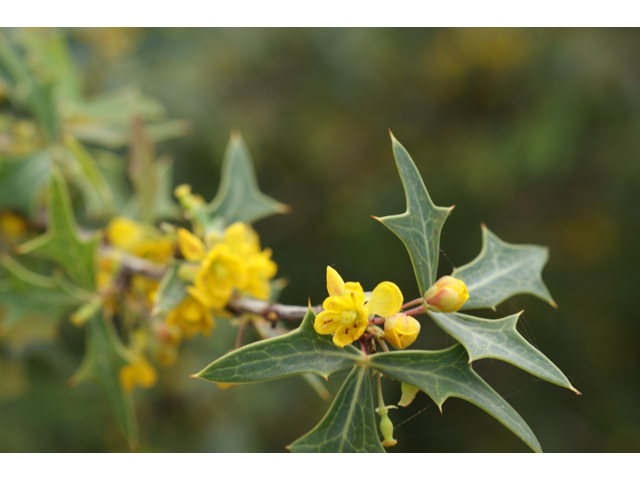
<point x="531" y="131"/>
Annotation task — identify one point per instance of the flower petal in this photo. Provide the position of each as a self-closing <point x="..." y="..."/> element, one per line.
<point x="335" y="284"/>
<point x="344" y="335"/>
<point x="326" y="323"/>
<point x="386" y="299"/>
<point x="191" y="246"/>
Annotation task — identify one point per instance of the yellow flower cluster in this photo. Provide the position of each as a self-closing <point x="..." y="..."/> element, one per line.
<point x="347" y="311"/>
<point x="233" y="263"/>
<point x="230" y="262"/>
<point x="143" y="241"/>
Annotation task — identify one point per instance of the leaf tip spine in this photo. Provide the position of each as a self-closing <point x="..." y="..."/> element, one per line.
<point x="575" y="390"/>
<point x="553" y="304"/>
<point x="284" y="208"/>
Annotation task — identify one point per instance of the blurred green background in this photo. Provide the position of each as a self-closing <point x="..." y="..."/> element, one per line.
<point x="536" y="133"/>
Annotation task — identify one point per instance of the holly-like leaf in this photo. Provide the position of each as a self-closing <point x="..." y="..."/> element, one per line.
<point x="171" y="291"/>
<point x="239" y="197"/>
<point x="448" y="373"/>
<point x="420" y="226"/>
<point x="503" y="270"/>
<point x="298" y="352"/>
<point x="349" y="426"/>
<point x="106" y="118"/>
<point x="25" y="295"/>
<point x="499" y="339"/>
<point x="22" y="181"/>
<point x="61" y="242"/>
<point x="105" y="356"/>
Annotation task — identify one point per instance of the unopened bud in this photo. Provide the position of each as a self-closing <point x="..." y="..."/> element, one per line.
<point x="400" y="330"/>
<point x="386" y="428"/>
<point x="447" y="295"/>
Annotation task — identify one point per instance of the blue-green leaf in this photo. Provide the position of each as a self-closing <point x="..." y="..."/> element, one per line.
<point x="502" y="270"/>
<point x="239" y="198"/>
<point x="420" y="226"/>
<point x="298" y="352"/>
<point x="61" y="242"/>
<point x="349" y="426"/>
<point x="448" y="373"/>
<point x="499" y="339"/>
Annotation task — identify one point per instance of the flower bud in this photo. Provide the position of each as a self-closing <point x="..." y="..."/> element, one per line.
<point x="447" y="295"/>
<point x="401" y="330"/>
<point x="386" y="428"/>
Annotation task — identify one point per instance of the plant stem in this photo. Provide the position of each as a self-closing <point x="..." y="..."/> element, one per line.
<point x="241" y="330"/>
<point x="412" y="302"/>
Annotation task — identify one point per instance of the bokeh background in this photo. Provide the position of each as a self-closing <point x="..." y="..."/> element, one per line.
<point x="536" y="133"/>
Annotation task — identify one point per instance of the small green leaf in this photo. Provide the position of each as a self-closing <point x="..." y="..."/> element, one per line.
<point x="503" y="270"/>
<point x="448" y="373"/>
<point x="408" y="394"/>
<point x="23" y="181"/>
<point x="420" y="226"/>
<point x="300" y="351"/>
<point x="349" y="426"/>
<point x="499" y="339"/>
<point x="105" y="356"/>
<point x="239" y="198"/>
<point x="24" y="294"/>
<point x="171" y="291"/>
<point x="61" y="242"/>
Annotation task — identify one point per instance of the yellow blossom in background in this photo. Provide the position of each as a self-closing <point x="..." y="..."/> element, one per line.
<point x="12" y="227"/>
<point x="139" y="373"/>
<point x="141" y="240"/>
<point x="446" y="295"/>
<point x="260" y="269"/>
<point x="401" y="330"/>
<point x="346" y="310"/>
<point x="220" y="272"/>
<point x="191" y="246"/>
<point x="192" y="315"/>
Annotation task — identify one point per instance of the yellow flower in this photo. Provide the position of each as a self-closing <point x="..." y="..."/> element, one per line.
<point x="12" y="226"/>
<point x="242" y="239"/>
<point x="191" y="246"/>
<point x="124" y="233"/>
<point x="400" y="330"/>
<point x="346" y="310"/>
<point x="446" y="295"/>
<point x="138" y="373"/>
<point x="141" y="240"/>
<point x="192" y="315"/>
<point x="260" y="269"/>
<point x="220" y="272"/>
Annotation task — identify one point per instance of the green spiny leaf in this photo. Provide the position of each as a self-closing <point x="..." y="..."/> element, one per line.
<point x="239" y="198"/>
<point x="420" y="226"/>
<point x="499" y="339"/>
<point x="448" y="373"/>
<point x="502" y="270"/>
<point x="349" y="426"/>
<point x="300" y="351"/>
<point x="24" y="294"/>
<point x="61" y="242"/>
<point x="105" y="356"/>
